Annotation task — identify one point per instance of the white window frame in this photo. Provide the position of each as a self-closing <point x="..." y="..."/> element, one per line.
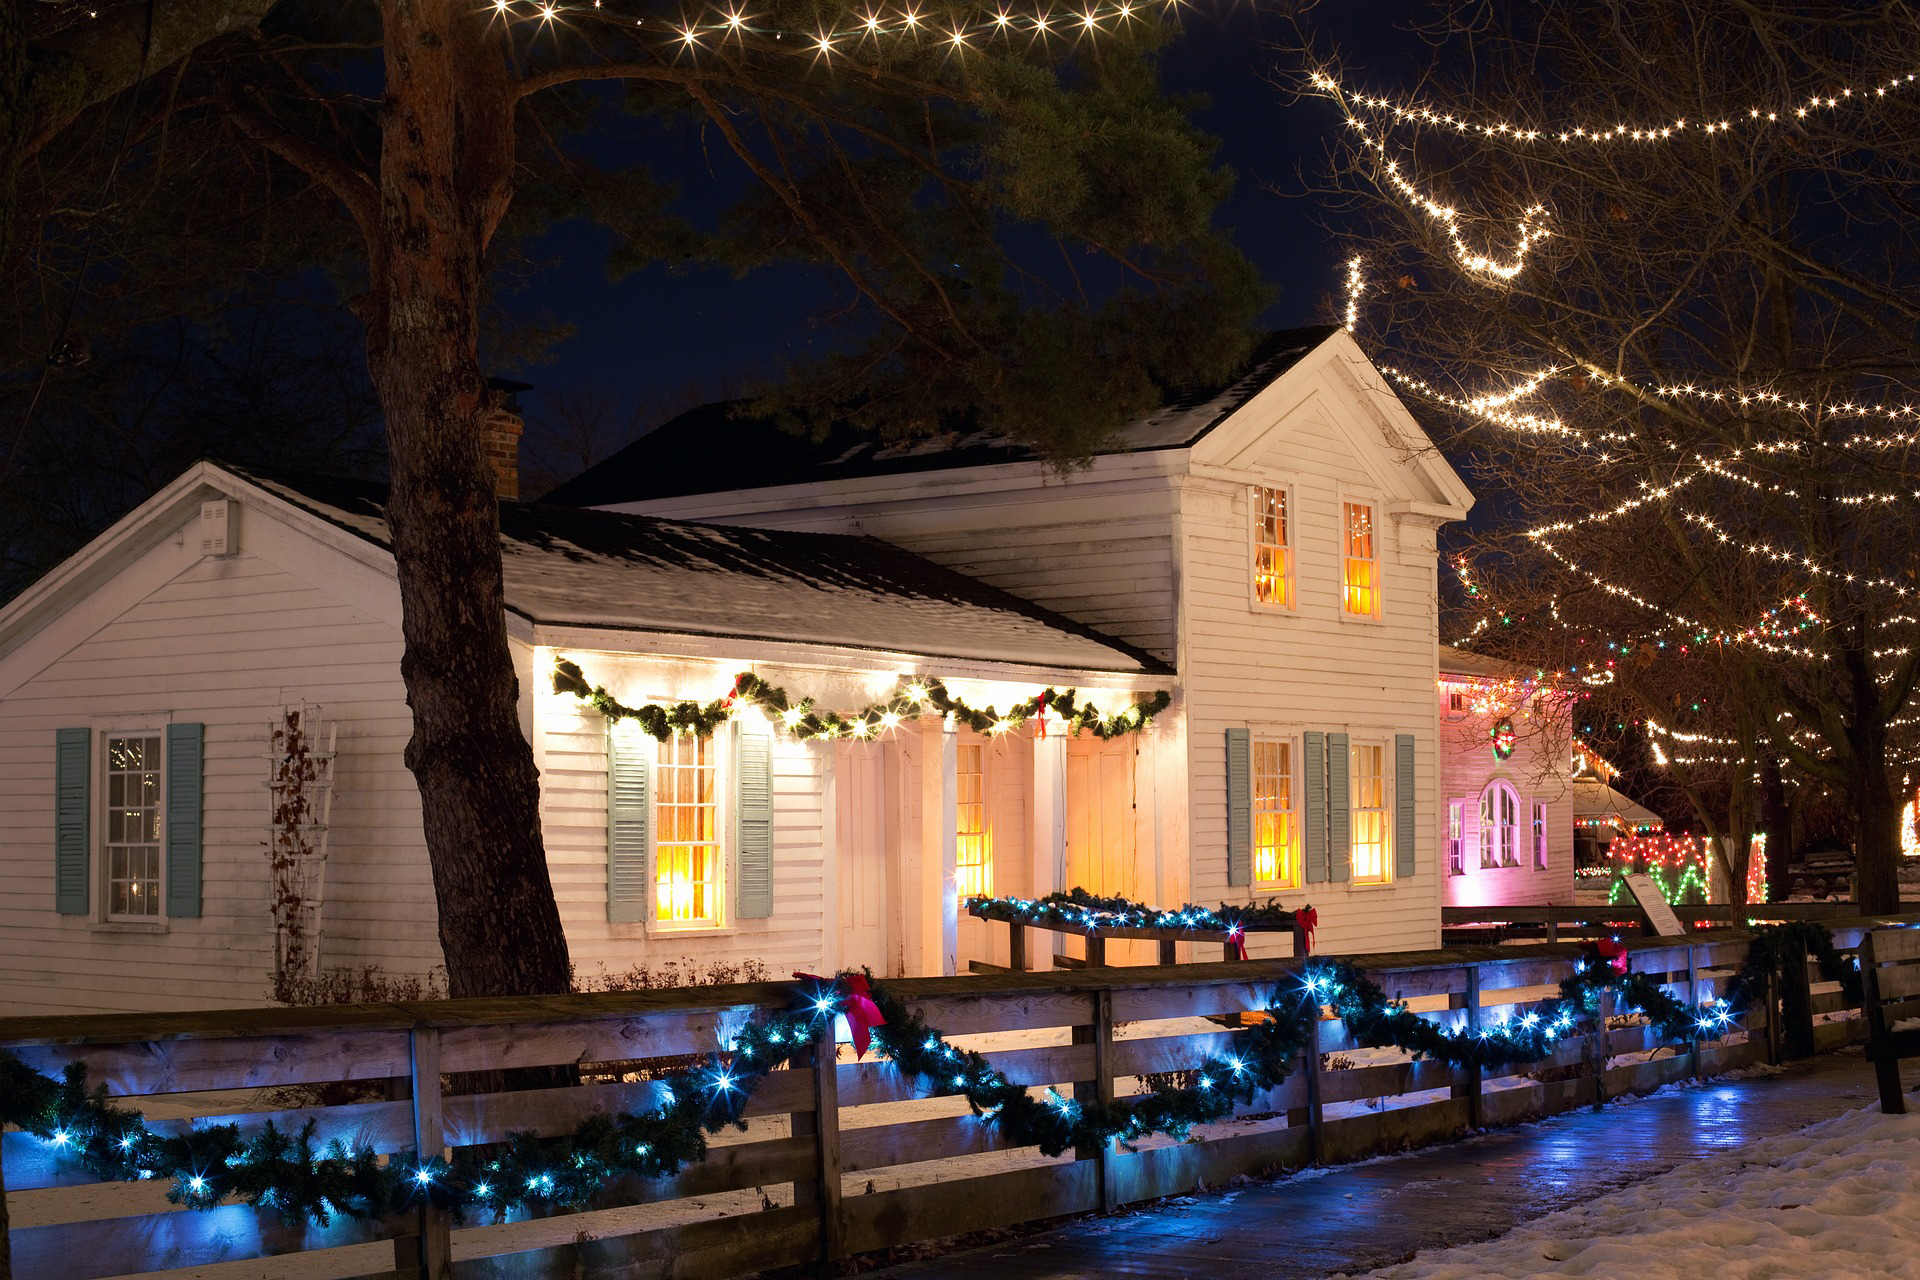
<point x="1384" y="811"/>
<point x="1494" y="852"/>
<point x="1255" y="505"/>
<point x="102" y="852"/>
<point x="721" y="742"/>
<point x="1457" y="836"/>
<point x="960" y="751"/>
<point x="1291" y="862"/>
<point x="1538" y="830"/>
<point x="1456" y="712"/>
<point x="1377" y="516"/>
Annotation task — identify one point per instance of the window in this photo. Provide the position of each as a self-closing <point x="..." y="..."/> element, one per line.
<point x="132" y="845"/>
<point x="1276" y="847"/>
<point x="1459" y="704"/>
<point x="1499" y="826"/>
<point x="1456" y="837"/>
<point x="1370" y="860"/>
<point x="686" y="876"/>
<point x="1360" y="561"/>
<point x="1539" y="836"/>
<point x="973" y="843"/>
<point x="1272" y="548"/>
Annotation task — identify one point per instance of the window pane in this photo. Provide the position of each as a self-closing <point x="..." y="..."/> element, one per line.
<point x="1276" y="855"/>
<point x="973" y="841"/>
<point x="686" y="818"/>
<point x="1272" y="554"/>
<point x="131" y="846"/>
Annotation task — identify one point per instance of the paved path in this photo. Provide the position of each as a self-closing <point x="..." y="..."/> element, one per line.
<point x="1357" y="1217"/>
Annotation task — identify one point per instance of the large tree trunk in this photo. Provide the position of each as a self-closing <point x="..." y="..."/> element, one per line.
<point x="446" y="141"/>
<point x="1776" y="819"/>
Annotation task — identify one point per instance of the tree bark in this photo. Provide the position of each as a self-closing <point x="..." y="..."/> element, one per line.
<point x="443" y="148"/>
<point x="1776" y="819"/>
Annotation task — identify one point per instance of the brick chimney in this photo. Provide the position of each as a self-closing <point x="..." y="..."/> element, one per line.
<point x="501" y="435"/>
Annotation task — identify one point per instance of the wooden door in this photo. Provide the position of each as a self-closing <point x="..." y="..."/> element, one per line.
<point x="1101" y="841"/>
<point x="860" y="785"/>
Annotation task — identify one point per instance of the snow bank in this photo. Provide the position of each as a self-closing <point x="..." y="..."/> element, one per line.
<point x="1837" y="1199"/>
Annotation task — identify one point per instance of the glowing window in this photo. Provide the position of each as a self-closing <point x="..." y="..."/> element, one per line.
<point x="686" y="860"/>
<point x="1276" y="845"/>
<point x="1499" y="826"/>
<point x="1272" y="548"/>
<point x="1360" y="561"/>
<point x="1369" y="781"/>
<point x="973" y="843"/>
<point x="132" y="844"/>
<point x="1456" y="837"/>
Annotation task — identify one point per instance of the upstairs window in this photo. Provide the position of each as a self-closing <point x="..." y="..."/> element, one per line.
<point x="1276" y="847"/>
<point x="1272" y="548"/>
<point x="1371" y="861"/>
<point x="1360" y="561"/>
<point x="1499" y="826"/>
<point x="1456" y="837"/>
<point x="687" y="853"/>
<point x="973" y="845"/>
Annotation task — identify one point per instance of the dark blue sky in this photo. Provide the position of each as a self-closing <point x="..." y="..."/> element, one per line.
<point x="651" y="336"/>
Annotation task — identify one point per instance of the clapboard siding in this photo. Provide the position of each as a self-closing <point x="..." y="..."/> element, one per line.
<point x="1537" y="771"/>
<point x="229" y="643"/>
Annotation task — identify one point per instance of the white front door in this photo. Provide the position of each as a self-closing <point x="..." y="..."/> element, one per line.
<point x="860" y="785"/>
<point x="1101" y="839"/>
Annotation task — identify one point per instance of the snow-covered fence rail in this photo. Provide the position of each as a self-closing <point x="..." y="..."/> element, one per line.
<point x="840" y="1156"/>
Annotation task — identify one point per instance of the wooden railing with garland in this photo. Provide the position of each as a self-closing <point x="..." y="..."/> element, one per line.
<point x="818" y="1183"/>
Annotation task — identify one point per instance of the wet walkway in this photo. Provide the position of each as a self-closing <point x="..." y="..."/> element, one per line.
<point x="1357" y="1217"/>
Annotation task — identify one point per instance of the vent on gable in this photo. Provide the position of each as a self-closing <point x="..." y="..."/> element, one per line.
<point x="216" y="528"/>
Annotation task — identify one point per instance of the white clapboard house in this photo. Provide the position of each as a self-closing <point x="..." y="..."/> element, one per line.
<point x="1266" y="554"/>
<point x="1506" y="764"/>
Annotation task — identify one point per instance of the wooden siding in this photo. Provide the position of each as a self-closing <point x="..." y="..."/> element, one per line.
<point x="229" y="642"/>
<point x="1537" y="772"/>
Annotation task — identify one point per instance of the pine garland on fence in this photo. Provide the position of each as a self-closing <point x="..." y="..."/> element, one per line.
<point x="1079" y="909"/>
<point x="291" y="1175"/>
<point x="806" y="719"/>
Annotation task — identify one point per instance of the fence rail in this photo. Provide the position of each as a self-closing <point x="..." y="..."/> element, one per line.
<point x="1461" y="924"/>
<point x="825" y="1132"/>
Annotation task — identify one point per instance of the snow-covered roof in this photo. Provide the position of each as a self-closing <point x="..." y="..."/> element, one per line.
<point x="1465" y="662"/>
<point x="1595" y="801"/>
<point x="602" y="569"/>
<point x="713" y="449"/>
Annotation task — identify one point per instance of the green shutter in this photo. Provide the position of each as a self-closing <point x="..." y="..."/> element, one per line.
<point x="185" y="752"/>
<point x="72" y="815"/>
<point x="629" y="775"/>
<point x="1339" y="806"/>
<point x="1404" y="827"/>
<point x="1313" y="808"/>
<point x="753" y="809"/>
<point x="1239" y="808"/>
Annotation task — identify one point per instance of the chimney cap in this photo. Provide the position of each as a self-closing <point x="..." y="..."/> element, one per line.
<point x="509" y="391"/>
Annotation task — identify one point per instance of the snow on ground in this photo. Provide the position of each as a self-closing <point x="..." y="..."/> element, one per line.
<point x="1837" y="1199"/>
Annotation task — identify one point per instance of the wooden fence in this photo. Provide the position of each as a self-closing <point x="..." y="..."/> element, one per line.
<point x="837" y="1167"/>
<point x="1494" y="924"/>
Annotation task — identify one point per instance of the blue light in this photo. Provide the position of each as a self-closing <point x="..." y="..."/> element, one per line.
<point x="422" y="1177"/>
<point x="642" y="1149"/>
<point x="1205" y="1083"/>
<point x="931" y="1044"/>
<point x="126" y="1142"/>
<point x="1237" y="1065"/>
<point x="723" y="1082"/>
<point x="61" y="1137"/>
<point x="481" y="1191"/>
<point x="196" y="1184"/>
<point x="824" y="1004"/>
<point x="959" y="1082"/>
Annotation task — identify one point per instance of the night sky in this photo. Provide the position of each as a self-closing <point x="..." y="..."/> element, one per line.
<point x="659" y="337"/>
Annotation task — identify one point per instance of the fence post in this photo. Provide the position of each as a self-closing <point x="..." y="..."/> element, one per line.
<point x="821" y="1060"/>
<point x="432" y="1250"/>
<point x="1693" y="1001"/>
<point x="1796" y="1009"/>
<point x="1597" y="1055"/>
<point x="1473" y="1090"/>
<point x="6" y="1248"/>
<point x="1099" y="1034"/>
<point x="1316" y="1135"/>
<point x="1773" y="1019"/>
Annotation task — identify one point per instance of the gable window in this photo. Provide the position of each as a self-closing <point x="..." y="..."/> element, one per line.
<point x="973" y="844"/>
<point x="131" y="848"/>
<point x="1539" y="836"/>
<point x="686" y="810"/>
<point x="1456" y="837"/>
<point x="1272" y="548"/>
<point x="1276" y="846"/>
<point x="1371" y="861"/>
<point x="1499" y="826"/>
<point x="1360" y="561"/>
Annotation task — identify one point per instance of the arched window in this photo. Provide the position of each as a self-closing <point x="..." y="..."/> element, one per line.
<point x="1499" y="825"/>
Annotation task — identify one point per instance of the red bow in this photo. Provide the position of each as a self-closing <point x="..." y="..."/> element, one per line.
<point x="1040" y="709"/>
<point x="1308" y="920"/>
<point x="1613" y="953"/>
<point x="1237" y="940"/>
<point x="856" y="1002"/>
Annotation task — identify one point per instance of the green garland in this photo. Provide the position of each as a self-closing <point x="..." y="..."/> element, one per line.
<point x="288" y="1174"/>
<point x="805" y="719"/>
<point x="1079" y="909"/>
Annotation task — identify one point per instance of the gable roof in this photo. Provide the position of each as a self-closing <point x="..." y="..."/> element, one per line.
<point x="570" y="567"/>
<point x="711" y="449"/>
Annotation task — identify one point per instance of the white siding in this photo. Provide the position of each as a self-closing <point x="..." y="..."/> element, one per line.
<point x="1537" y="772"/>
<point x="228" y="642"/>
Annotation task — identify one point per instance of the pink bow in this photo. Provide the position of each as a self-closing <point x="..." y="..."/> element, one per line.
<point x="1308" y="919"/>
<point x="856" y="1002"/>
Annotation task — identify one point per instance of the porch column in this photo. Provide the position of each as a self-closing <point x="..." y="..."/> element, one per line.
<point x="1049" y="822"/>
<point x="927" y="850"/>
<point x="948" y="837"/>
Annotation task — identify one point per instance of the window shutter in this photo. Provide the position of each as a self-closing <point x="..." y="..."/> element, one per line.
<point x="1404" y="798"/>
<point x="629" y="813"/>
<point x="1239" y="808"/>
<point x="185" y="750"/>
<point x="1339" y="806"/>
<point x="72" y="814"/>
<point x="1313" y="807"/>
<point x="753" y="810"/>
